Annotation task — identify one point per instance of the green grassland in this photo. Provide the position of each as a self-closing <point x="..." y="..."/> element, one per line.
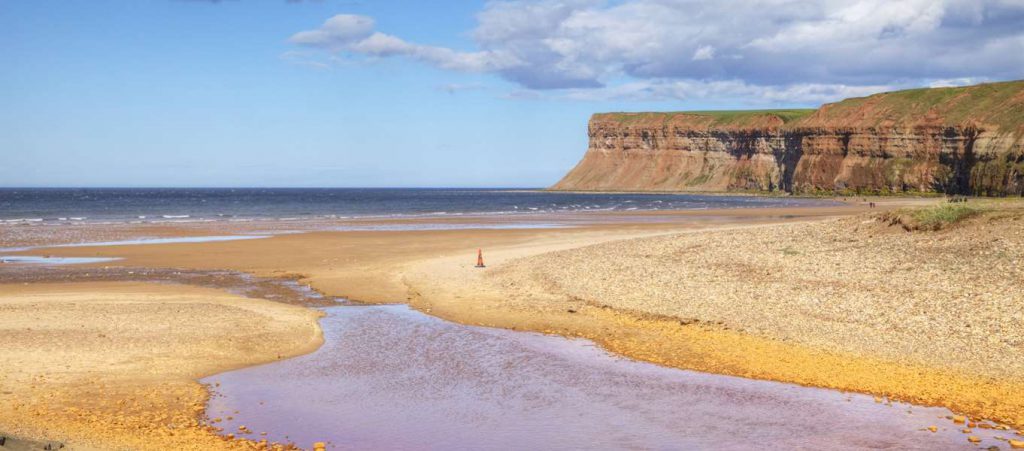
<point x="1000" y="104"/>
<point x="717" y="117"/>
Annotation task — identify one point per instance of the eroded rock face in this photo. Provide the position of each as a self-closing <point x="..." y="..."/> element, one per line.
<point x="955" y="140"/>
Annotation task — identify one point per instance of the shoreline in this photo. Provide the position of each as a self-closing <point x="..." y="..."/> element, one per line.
<point x="930" y="195"/>
<point x="414" y="267"/>
<point x="13" y="238"/>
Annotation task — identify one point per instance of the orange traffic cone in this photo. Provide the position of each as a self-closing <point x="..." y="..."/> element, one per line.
<point x="480" y="259"/>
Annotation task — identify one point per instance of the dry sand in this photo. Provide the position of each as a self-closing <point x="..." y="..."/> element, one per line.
<point x="114" y="365"/>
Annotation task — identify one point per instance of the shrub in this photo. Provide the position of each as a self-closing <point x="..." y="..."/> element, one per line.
<point x="932" y="218"/>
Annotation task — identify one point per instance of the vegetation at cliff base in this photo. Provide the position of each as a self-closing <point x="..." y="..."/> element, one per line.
<point x="932" y="218"/>
<point x="937" y="217"/>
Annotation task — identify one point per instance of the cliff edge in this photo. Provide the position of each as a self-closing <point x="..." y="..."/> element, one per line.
<point x="964" y="140"/>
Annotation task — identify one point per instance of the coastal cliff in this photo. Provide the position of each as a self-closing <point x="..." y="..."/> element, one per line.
<point x="965" y="140"/>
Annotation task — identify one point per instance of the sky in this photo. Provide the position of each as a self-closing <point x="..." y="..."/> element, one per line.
<point x="335" y="93"/>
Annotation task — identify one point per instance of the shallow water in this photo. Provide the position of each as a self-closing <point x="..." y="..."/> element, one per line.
<point x="142" y="241"/>
<point x="518" y="225"/>
<point x="56" y="206"/>
<point x="45" y="260"/>
<point x="388" y="377"/>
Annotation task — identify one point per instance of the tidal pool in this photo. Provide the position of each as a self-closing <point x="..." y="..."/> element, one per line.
<point x="46" y="260"/>
<point x="389" y="377"/>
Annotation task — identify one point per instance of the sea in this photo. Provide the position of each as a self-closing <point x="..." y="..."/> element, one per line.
<point x="56" y="205"/>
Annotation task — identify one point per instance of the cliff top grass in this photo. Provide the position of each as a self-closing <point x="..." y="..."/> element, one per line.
<point x="715" y="117"/>
<point x="1000" y="104"/>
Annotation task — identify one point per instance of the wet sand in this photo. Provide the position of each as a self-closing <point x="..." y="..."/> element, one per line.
<point x="369" y="266"/>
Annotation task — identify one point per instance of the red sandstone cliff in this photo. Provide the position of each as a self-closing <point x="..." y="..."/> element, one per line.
<point x="959" y="140"/>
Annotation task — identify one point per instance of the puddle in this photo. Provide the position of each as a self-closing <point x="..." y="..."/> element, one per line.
<point x="38" y="260"/>
<point x="446" y="226"/>
<point x="182" y="239"/>
<point x="389" y="377"/>
<point x="142" y="241"/>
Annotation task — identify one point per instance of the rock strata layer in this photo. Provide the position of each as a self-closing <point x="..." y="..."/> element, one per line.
<point x="966" y="140"/>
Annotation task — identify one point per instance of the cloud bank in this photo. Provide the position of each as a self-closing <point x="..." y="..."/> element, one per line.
<point x="765" y="50"/>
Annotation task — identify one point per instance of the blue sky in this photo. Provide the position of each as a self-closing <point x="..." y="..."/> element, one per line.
<point x="440" y="93"/>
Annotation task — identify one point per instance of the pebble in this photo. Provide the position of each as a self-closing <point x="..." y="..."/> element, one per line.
<point x="1016" y="444"/>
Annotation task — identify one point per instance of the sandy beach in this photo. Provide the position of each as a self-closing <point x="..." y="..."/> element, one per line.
<point x="512" y="224"/>
<point x="114" y="365"/>
<point x="831" y="297"/>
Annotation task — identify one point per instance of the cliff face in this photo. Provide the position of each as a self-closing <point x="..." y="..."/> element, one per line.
<point x="958" y="140"/>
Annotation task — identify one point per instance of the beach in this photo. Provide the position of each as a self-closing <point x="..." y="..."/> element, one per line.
<point x="512" y="225"/>
<point x="853" y="304"/>
<point x="114" y="365"/>
<point x="824" y="296"/>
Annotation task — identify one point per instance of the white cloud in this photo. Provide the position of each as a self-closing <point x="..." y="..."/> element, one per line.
<point x="453" y="88"/>
<point x="681" y="48"/>
<point x="703" y="53"/>
<point x="730" y="92"/>
<point x="953" y="82"/>
<point x="355" y="34"/>
<point x="336" y="32"/>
